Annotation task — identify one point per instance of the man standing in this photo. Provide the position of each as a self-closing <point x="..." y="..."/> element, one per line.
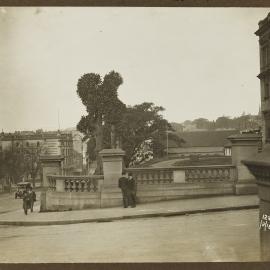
<point x="132" y="188"/>
<point x="123" y="184"/>
<point x="33" y="198"/>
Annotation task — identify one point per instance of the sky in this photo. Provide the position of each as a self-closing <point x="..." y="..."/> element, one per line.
<point x="195" y="62"/>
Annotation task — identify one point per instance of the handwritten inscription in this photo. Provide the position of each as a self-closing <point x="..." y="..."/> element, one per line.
<point x="265" y="222"/>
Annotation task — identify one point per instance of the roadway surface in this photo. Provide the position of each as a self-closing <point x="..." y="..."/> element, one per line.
<point x="208" y="237"/>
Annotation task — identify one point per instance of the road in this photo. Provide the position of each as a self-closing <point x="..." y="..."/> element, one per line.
<point x="8" y="202"/>
<point x="223" y="236"/>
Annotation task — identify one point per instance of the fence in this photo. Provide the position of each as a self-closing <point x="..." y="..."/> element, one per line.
<point x="213" y="173"/>
<point x="74" y="183"/>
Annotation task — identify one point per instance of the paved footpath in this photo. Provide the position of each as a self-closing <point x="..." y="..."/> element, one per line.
<point x="157" y="209"/>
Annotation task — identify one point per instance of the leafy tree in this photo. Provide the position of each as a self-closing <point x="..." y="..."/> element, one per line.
<point x="223" y="122"/>
<point x="202" y="123"/>
<point x="17" y="162"/>
<point x="103" y="108"/>
<point x="141" y="123"/>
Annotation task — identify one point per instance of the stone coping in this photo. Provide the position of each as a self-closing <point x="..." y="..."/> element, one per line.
<point x="179" y="167"/>
<point x="75" y="176"/>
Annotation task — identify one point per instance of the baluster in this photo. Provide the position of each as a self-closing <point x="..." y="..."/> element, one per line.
<point x="76" y="182"/>
<point x="66" y="185"/>
<point x="54" y="184"/>
<point x="211" y="175"/>
<point x="95" y="184"/>
<point x="71" y="185"/>
<point x="187" y="178"/>
<point x="224" y="174"/>
<point x="202" y="174"/>
<point x="82" y="185"/>
<point x="171" y="176"/>
<point x="153" y="174"/>
<point x="228" y="174"/>
<point x="198" y="174"/>
<point x="147" y="175"/>
<point x="88" y="184"/>
<point x="220" y="174"/>
<point x="157" y="177"/>
<point x="164" y="176"/>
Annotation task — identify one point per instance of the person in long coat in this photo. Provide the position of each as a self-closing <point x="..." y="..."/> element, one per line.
<point x="132" y="189"/>
<point x="32" y="198"/>
<point x="26" y="200"/>
<point x="123" y="185"/>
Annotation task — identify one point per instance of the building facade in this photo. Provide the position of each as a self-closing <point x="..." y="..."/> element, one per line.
<point x="35" y="144"/>
<point x="264" y="42"/>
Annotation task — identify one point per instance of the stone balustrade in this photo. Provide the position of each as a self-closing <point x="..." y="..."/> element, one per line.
<point x="152" y="175"/>
<point x="61" y="183"/>
<point x="213" y="173"/>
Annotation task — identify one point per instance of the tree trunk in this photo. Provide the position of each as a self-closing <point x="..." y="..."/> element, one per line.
<point x="113" y="138"/>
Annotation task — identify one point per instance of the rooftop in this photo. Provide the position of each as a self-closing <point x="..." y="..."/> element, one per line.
<point x="213" y="138"/>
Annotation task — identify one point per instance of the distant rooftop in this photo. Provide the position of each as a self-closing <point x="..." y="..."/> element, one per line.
<point x="31" y="135"/>
<point x="215" y="138"/>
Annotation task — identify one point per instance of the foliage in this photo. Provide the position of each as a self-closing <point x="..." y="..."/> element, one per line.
<point x="16" y="163"/>
<point x="102" y="105"/>
<point x="243" y="122"/>
<point x="143" y="127"/>
<point x="138" y="129"/>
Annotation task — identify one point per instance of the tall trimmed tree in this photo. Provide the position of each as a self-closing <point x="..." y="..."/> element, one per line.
<point x="103" y="108"/>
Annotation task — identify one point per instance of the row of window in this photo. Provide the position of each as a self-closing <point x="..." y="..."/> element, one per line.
<point x="27" y="144"/>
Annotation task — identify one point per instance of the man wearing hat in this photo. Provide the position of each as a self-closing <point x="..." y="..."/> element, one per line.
<point x="132" y="188"/>
<point x="123" y="184"/>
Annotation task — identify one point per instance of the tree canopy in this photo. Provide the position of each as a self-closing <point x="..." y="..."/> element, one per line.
<point x="109" y="118"/>
<point x="99" y="95"/>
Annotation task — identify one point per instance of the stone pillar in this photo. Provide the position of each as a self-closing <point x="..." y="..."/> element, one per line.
<point x="50" y="165"/>
<point x="112" y="160"/>
<point x="244" y="146"/>
<point x="60" y="185"/>
<point x="259" y="166"/>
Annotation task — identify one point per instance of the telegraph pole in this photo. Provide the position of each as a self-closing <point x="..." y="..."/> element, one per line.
<point x="167" y="137"/>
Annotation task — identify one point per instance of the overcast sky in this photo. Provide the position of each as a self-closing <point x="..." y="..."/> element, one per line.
<point x="195" y="62"/>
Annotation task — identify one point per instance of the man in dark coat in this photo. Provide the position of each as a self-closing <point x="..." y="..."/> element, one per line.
<point x="29" y="197"/>
<point x="26" y="200"/>
<point x="123" y="184"/>
<point x="132" y="188"/>
<point x="32" y="198"/>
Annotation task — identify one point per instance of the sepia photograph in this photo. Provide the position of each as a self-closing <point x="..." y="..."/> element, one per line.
<point x="134" y="134"/>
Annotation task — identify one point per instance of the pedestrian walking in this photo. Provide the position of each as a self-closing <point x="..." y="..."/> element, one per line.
<point x="123" y="185"/>
<point x="132" y="189"/>
<point x="29" y="198"/>
<point x="26" y="200"/>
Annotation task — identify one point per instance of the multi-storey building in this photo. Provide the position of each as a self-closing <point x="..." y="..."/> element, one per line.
<point x="264" y="40"/>
<point x="45" y="143"/>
